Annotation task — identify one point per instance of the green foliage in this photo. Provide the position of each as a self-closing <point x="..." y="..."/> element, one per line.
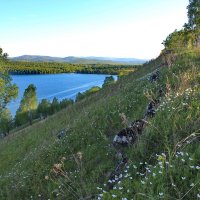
<point x="6" y="121"/>
<point x="194" y="14"/>
<point x="8" y="91"/>
<point x="43" y="108"/>
<point x="28" y="105"/>
<point x="54" y="106"/>
<point x="87" y="93"/>
<point x="108" y="80"/>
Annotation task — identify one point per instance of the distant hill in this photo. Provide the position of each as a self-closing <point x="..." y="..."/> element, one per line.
<point x="79" y="60"/>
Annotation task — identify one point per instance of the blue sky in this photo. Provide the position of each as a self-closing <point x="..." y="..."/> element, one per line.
<point x="114" y="28"/>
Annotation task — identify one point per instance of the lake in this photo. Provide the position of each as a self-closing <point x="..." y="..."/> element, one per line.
<point x="62" y="86"/>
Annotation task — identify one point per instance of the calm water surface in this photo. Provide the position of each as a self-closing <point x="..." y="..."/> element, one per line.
<point x="55" y="85"/>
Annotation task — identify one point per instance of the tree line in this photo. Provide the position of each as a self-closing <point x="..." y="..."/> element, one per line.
<point x="24" y="67"/>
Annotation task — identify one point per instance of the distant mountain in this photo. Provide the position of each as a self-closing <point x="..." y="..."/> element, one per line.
<point x="79" y="60"/>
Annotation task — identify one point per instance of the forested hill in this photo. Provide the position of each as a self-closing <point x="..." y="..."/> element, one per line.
<point x="80" y="60"/>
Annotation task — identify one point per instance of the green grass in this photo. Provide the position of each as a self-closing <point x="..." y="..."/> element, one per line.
<point x="34" y="164"/>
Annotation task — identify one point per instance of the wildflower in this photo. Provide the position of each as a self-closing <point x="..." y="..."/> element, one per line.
<point x="46" y="178"/>
<point x="124" y="198"/>
<point x="150" y="183"/>
<point x="198" y="196"/>
<point x="182" y="160"/>
<point x="114" y="195"/>
<point x="192" y="184"/>
<point x="134" y="166"/>
<point x="192" y="167"/>
<point x="161" y="193"/>
<point x="154" y="174"/>
<point x="173" y="185"/>
<point x="197" y="167"/>
<point x="163" y="154"/>
<point x="182" y="154"/>
<point x="143" y="182"/>
<point x="183" y="178"/>
<point x="160" y="172"/>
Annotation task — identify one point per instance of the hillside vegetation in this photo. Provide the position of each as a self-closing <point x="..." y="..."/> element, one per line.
<point x="35" y="164"/>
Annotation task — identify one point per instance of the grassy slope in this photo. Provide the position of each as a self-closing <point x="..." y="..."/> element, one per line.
<point x="85" y="157"/>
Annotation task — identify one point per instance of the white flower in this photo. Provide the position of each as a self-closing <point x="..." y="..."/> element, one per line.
<point x="192" y="167"/>
<point x="197" y="167"/>
<point x="154" y="174"/>
<point x="182" y="160"/>
<point x="124" y="198"/>
<point x="183" y="178"/>
<point x="163" y="154"/>
<point x="160" y="163"/>
<point x="120" y="188"/>
<point x="160" y="172"/>
<point x="114" y="195"/>
<point x="190" y="158"/>
<point x="150" y="183"/>
<point x="173" y="185"/>
<point x="143" y="182"/>
<point x="192" y="184"/>
<point x="134" y="166"/>
<point x="198" y="196"/>
<point x="161" y="193"/>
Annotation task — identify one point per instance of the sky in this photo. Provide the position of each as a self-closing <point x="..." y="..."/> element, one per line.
<point x="106" y="28"/>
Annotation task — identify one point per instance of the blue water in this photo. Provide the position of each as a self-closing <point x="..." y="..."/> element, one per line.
<point x="55" y="85"/>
